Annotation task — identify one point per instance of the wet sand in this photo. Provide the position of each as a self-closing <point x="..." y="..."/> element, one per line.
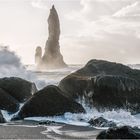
<point x="32" y="130"/>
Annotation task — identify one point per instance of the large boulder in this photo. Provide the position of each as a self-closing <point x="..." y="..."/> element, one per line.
<point x="7" y="102"/>
<point x="116" y="92"/>
<point x="49" y="101"/>
<point x="75" y="86"/>
<point x="18" y="88"/>
<point x="125" y="132"/>
<point x="105" y="84"/>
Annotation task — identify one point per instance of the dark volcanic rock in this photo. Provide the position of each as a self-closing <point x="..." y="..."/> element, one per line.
<point x="101" y="122"/>
<point x="47" y="123"/>
<point x="18" y="88"/>
<point x="7" y="102"/>
<point x="100" y="67"/>
<point x="116" y="92"/>
<point x="124" y="132"/>
<point x="2" y="120"/>
<point x="49" y="101"/>
<point x="106" y="85"/>
<point x="75" y="85"/>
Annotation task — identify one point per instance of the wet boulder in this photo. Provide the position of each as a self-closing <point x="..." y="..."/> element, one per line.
<point x="101" y="122"/>
<point x="2" y="119"/>
<point x="7" y="102"/>
<point x="105" y="85"/>
<point x="49" y="101"/>
<point x="75" y="86"/>
<point x="18" y="88"/>
<point x="125" y="132"/>
<point x="116" y="92"/>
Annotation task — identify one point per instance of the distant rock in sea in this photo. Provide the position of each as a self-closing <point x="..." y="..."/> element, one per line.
<point x="52" y="58"/>
<point x="38" y="56"/>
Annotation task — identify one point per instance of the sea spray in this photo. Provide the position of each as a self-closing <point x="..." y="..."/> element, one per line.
<point x="11" y="66"/>
<point x="8" y="116"/>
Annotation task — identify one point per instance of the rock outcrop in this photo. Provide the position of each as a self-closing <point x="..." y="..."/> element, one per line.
<point x="125" y="132"/>
<point x="52" y="57"/>
<point x="2" y="119"/>
<point x="106" y="85"/>
<point x="101" y="122"/>
<point x="18" y="88"/>
<point x="49" y="101"/>
<point x="7" y="102"/>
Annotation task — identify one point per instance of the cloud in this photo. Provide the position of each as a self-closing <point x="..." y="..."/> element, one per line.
<point x="113" y="47"/>
<point x="100" y="8"/>
<point x="110" y="30"/>
<point x="132" y="10"/>
<point x="39" y="4"/>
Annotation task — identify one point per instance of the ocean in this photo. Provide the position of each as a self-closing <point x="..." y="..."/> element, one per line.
<point x="53" y="77"/>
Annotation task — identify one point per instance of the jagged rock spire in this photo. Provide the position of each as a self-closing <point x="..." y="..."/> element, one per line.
<point x="54" y="24"/>
<point x="52" y="57"/>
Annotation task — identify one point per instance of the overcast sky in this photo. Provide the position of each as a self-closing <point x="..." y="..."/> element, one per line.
<point x="100" y="29"/>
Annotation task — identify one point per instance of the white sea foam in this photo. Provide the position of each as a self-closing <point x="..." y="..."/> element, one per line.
<point x="8" y="116"/>
<point x="120" y="117"/>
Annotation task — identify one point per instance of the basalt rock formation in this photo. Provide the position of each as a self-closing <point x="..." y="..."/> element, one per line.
<point x="105" y="85"/>
<point x="7" y="102"/>
<point x="13" y="91"/>
<point x="49" y="101"/>
<point x="2" y="119"/>
<point x="124" y="132"/>
<point x="101" y="122"/>
<point x="18" y="88"/>
<point x="52" y="57"/>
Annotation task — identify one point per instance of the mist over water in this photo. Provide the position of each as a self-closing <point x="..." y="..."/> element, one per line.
<point x="11" y="66"/>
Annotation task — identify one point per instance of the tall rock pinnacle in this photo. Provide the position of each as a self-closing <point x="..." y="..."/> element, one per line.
<point x="52" y="57"/>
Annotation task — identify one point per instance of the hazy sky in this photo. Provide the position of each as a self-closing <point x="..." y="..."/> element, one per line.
<point x="101" y="29"/>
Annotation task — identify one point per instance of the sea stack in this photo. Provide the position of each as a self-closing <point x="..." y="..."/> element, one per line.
<point x="38" y="55"/>
<point x="52" y="58"/>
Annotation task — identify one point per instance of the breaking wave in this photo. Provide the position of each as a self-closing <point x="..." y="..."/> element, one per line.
<point x="11" y="66"/>
<point x="120" y="117"/>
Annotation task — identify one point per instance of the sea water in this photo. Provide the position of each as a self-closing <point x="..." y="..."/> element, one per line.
<point x="10" y="65"/>
<point x="120" y="117"/>
<point x="53" y="77"/>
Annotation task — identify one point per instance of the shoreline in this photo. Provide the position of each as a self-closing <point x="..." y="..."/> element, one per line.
<point x="32" y="130"/>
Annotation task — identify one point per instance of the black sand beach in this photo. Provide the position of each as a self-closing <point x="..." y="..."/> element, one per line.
<point x="32" y="130"/>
